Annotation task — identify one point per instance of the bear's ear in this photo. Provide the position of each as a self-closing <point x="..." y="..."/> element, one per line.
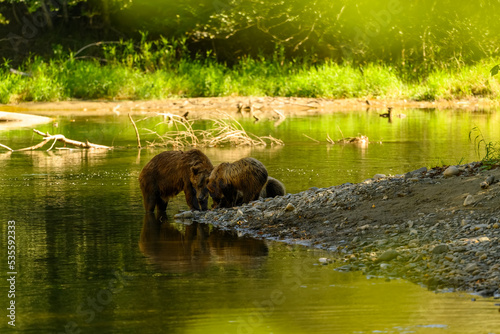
<point x="195" y="170"/>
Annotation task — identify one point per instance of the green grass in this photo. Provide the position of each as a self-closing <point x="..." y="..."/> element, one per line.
<point x="128" y="72"/>
<point x="487" y="151"/>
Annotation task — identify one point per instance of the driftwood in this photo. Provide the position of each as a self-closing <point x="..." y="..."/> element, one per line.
<point x="136" y="131"/>
<point x="317" y="141"/>
<point x="348" y="140"/>
<point x="48" y="138"/>
<point x="6" y="147"/>
<point x="362" y="140"/>
<point x="224" y="131"/>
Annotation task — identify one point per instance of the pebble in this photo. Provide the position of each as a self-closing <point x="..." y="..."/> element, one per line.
<point x="184" y="215"/>
<point x="416" y="173"/>
<point x="290" y="207"/>
<point x="451" y="171"/>
<point x="469" y="200"/>
<point x="489" y="181"/>
<point x="387" y="255"/>
<point x="384" y="266"/>
<point x="344" y="268"/>
<point x="471" y="267"/>
<point x="440" y="249"/>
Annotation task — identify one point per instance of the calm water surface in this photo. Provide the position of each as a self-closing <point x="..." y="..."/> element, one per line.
<point x="89" y="259"/>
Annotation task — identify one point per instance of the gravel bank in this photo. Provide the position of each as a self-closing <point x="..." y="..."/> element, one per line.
<point x="438" y="227"/>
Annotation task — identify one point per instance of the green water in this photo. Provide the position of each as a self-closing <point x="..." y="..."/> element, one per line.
<point x="88" y="259"/>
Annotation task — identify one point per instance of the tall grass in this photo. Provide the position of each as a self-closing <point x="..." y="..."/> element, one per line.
<point x="163" y="69"/>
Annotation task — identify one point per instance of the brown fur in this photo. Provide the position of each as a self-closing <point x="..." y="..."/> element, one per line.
<point x="171" y="172"/>
<point x="272" y="188"/>
<point x="236" y="183"/>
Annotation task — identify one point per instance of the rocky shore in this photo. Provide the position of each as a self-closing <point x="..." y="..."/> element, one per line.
<point x="438" y="227"/>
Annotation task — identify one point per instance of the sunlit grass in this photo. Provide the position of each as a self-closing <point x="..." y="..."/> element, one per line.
<point x="139" y="79"/>
<point x="465" y="82"/>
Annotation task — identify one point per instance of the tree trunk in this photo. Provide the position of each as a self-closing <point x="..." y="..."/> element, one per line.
<point x="46" y="14"/>
<point x="65" y="11"/>
<point x="14" y="12"/>
<point x="105" y="15"/>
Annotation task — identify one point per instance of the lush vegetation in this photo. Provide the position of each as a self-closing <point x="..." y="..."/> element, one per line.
<point x="151" y="76"/>
<point x="132" y="49"/>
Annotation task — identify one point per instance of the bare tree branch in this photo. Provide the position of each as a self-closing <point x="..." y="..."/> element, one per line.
<point x="136" y="131"/>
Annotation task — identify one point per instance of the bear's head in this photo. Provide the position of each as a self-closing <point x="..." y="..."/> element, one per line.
<point x="215" y="185"/>
<point x="199" y="180"/>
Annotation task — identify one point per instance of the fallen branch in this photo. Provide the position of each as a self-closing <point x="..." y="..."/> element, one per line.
<point x="363" y="140"/>
<point x="95" y="44"/>
<point x="24" y="74"/>
<point x="6" y="147"/>
<point x="281" y="118"/>
<point x="48" y="137"/>
<point x="317" y="141"/>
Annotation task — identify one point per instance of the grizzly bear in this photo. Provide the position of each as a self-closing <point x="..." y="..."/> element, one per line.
<point x="171" y="172"/>
<point x="272" y="188"/>
<point x="232" y="184"/>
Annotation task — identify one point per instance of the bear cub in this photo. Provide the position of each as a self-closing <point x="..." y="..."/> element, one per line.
<point x="232" y="184"/>
<point x="273" y="188"/>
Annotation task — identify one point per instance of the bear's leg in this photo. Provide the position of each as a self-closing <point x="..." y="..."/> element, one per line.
<point x="256" y="196"/>
<point x="161" y="204"/>
<point x="191" y="200"/>
<point x="239" y="198"/>
<point x="248" y="197"/>
<point x="216" y="203"/>
<point x="149" y="203"/>
<point x="223" y="203"/>
<point x="231" y="196"/>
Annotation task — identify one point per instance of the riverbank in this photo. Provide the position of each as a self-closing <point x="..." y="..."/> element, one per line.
<point x="204" y="107"/>
<point x="443" y="232"/>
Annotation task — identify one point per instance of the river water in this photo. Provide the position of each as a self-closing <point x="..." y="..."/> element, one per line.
<point x="88" y="260"/>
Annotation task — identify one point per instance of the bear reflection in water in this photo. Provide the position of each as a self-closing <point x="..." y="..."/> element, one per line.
<point x="177" y="247"/>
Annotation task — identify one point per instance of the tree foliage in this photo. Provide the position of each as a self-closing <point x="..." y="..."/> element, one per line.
<point x="413" y="35"/>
